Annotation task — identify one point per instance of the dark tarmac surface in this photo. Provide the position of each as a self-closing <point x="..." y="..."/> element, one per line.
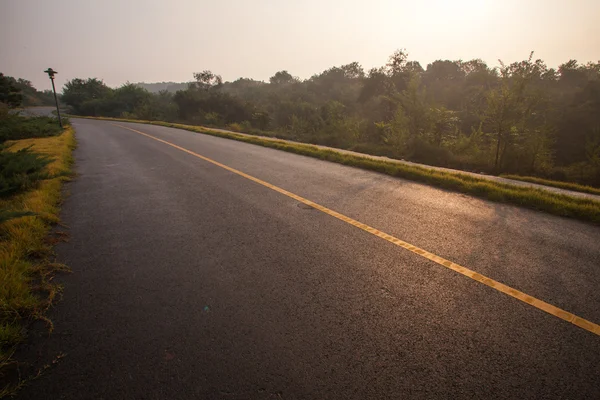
<point x="192" y="282"/>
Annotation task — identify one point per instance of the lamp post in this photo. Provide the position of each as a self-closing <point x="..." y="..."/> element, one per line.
<point x="51" y="73"/>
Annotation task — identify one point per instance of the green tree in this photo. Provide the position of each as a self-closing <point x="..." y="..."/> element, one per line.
<point x="83" y="95"/>
<point x="510" y="106"/>
<point x="10" y="94"/>
<point x="207" y="80"/>
<point x="128" y="98"/>
<point x="282" y="78"/>
<point x="397" y="62"/>
<point x="444" y="124"/>
<point x="353" y="70"/>
<point x="522" y="117"/>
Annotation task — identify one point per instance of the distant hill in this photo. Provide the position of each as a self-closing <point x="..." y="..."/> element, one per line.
<point x="168" y="86"/>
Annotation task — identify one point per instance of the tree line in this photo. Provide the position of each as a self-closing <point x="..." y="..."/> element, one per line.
<point x="521" y="118"/>
<point x="20" y="92"/>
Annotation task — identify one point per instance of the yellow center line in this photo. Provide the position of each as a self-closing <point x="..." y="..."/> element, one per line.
<point x="537" y="303"/>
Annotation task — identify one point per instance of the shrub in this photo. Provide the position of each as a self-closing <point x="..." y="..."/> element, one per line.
<point x="15" y="127"/>
<point x="21" y="170"/>
<point x="246" y="126"/>
<point x="235" y="127"/>
<point x="213" y="118"/>
<point x="422" y="151"/>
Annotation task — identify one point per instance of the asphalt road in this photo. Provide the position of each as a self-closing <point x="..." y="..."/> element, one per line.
<point x="190" y="281"/>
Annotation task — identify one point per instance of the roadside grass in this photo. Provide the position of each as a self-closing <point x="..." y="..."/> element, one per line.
<point x="533" y="198"/>
<point x="557" y="184"/>
<point x="26" y="267"/>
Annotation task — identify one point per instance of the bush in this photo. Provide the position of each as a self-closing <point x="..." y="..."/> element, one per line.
<point x="235" y="127"/>
<point x="246" y="126"/>
<point x="584" y="173"/>
<point x="422" y="151"/>
<point x="20" y="170"/>
<point x="16" y="127"/>
<point x="213" y="118"/>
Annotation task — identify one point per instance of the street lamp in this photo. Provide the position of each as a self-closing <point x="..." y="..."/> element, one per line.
<point x="51" y="73"/>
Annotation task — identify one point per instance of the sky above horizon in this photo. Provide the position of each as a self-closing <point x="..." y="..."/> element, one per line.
<point x="155" y="41"/>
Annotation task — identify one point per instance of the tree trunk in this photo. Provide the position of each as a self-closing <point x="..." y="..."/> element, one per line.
<point x="497" y="151"/>
<point x="502" y="154"/>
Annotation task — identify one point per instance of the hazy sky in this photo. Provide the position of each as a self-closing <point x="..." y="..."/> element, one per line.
<point x="151" y="40"/>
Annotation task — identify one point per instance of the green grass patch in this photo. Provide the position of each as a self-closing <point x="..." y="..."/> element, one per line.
<point x="557" y="184"/>
<point x="533" y="198"/>
<point x="26" y="267"/>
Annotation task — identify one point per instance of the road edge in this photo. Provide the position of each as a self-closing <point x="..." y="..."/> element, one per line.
<point x="562" y="205"/>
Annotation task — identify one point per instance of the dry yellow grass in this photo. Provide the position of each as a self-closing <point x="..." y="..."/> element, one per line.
<point x="25" y="268"/>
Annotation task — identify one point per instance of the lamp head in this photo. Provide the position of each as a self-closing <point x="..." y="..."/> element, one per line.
<point x="51" y="72"/>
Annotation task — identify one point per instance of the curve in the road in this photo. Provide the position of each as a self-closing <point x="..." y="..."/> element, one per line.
<point x="537" y="303"/>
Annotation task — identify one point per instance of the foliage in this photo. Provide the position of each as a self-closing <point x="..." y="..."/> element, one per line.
<point x="84" y="95"/>
<point x="521" y="118"/>
<point x="20" y="92"/>
<point x="10" y="94"/>
<point x="206" y="80"/>
<point x="31" y="96"/>
<point x="15" y="127"/>
<point x="20" y="170"/>
<point x="170" y="87"/>
<point x="282" y="78"/>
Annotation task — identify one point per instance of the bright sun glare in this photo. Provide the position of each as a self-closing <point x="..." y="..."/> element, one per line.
<point x="448" y="11"/>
